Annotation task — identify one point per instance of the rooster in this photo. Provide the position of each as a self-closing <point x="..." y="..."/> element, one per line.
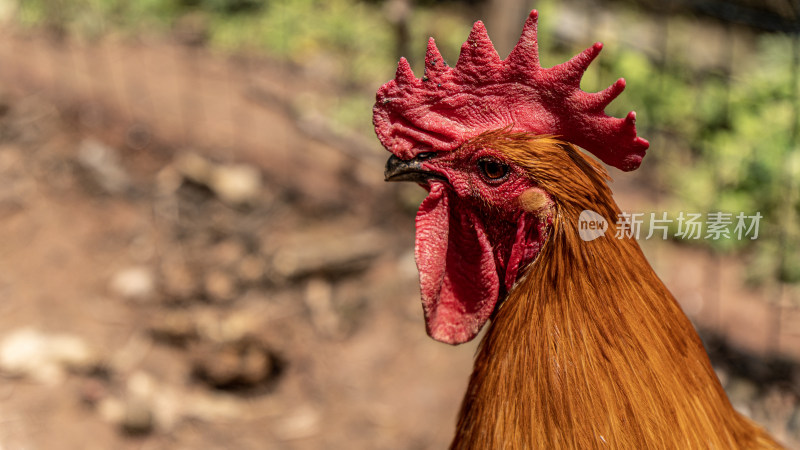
<point x="587" y="348"/>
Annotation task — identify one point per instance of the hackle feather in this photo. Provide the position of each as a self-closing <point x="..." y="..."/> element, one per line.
<point x="590" y="350"/>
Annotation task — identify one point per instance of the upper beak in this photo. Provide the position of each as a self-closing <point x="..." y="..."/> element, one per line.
<point x="410" y="170"/>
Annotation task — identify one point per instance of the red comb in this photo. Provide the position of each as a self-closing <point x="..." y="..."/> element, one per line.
<point x="448" y="105"/>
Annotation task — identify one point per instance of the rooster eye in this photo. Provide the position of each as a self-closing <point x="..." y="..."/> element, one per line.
<point x="492" y="169"/>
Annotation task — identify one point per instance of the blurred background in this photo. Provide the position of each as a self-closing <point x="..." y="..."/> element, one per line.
<point x="197" y="248"/>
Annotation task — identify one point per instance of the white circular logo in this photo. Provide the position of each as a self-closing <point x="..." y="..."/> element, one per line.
<point x="591" y="225"/>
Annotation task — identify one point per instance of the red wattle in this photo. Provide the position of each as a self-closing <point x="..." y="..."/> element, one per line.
<point x="458" y="277"/>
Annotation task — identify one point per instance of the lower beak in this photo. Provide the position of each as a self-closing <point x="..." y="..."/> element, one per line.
<point x="410" y="170"/>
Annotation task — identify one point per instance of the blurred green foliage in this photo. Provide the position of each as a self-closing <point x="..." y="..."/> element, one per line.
<point x="734" y="146"/>
<point x="721" y="141"/>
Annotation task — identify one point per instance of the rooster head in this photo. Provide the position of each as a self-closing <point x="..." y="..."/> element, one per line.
<point x="461" y="133"/>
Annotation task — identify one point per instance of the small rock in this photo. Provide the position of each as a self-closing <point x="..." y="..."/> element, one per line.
<point x="138" y="418"/>
<point x="349" y="303"/>
<point x="319" y="299"/>
<point x="148" y="404"/>
<point x="102" y="163"/>
<point x="174" y="327"/>
<point x="220" y="287"/>
<point x="133" y="283"/>
<point x="241" y="365"/>
<point x="235" y="184"/>
<point x="212" y="407"/>
<point x="30" y="353"/>
<point x="137" y="411"/>
<point x="299" y="424"/>
<point x="142" y="384"/>
<point x="239" y="184"/>
<point x="225" y="329"/>
<point x="220" y="366"/>
<point x="255" y="364"/>
<point x="168" y="181"/>
<point x="194" y="167"/>
<point x="111" y="409"/>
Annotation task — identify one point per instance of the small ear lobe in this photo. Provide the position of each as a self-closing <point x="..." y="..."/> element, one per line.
<point x="535" y="201"/>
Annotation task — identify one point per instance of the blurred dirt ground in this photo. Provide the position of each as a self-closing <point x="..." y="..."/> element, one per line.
<point x="191" y="256"/>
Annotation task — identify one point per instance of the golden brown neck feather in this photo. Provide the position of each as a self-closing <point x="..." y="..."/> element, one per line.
<point x="590" y="349"/>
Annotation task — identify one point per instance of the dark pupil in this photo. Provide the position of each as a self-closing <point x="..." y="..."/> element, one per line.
<point x="493" y="169"/>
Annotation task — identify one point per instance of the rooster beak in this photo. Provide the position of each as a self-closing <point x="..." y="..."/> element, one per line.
<point x="407" y="170"/>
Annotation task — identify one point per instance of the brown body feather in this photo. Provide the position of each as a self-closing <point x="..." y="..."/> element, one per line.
<point x="589" y="349"/>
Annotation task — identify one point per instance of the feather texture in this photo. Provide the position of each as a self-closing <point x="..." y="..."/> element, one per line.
<point x="590" y="350"/>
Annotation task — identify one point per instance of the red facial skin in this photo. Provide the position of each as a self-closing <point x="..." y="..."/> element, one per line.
<point x="473" y="239"/>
